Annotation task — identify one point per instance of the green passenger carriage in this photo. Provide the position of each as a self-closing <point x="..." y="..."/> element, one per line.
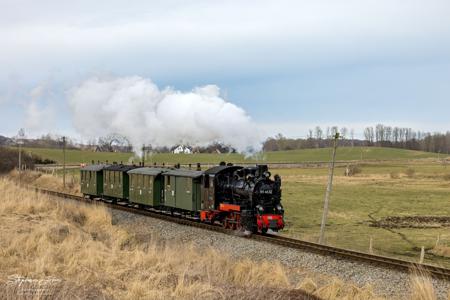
<point x="147" y="186"/>
<point x="182" y="189"/>
<point x="92" y="180"/>
<point x="116" y="181"/>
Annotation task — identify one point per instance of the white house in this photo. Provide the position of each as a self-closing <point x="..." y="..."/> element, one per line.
<point x="182" y="149"/>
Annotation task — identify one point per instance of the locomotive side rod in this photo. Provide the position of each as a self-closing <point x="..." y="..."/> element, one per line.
<point x="388" y="262"/>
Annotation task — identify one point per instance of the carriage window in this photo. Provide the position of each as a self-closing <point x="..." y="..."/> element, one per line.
<point x="206" y="182"/>
<point x="168" y="180"/>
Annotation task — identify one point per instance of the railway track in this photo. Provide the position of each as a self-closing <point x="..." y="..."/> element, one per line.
<point x="387" y="262"/>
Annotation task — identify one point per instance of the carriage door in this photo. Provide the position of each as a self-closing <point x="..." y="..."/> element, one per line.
<point x="169" y="193"/>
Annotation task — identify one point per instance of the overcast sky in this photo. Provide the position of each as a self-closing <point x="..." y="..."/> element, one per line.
<point x="290" y="65"/>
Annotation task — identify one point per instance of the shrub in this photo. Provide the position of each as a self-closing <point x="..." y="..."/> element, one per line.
<point x="10" y="159"/>
<point x="410" y="172"/>
<point x="352" y="170"/>
<point x="394" y="175"/>
<point x="40" y="161"/>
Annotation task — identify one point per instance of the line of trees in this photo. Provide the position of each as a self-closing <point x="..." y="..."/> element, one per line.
<point x="379" y="135"/>
<point x="406" y="138"/>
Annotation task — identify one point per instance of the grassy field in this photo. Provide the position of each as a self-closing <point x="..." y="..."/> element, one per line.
<point x="380" y="191"/>
<point x="294" y="156"/>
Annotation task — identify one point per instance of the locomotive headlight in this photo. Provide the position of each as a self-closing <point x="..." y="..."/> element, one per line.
<point x="260" y="208"/>
<point x="279" y="208"/>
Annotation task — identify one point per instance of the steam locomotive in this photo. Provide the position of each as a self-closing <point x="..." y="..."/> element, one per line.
<point x="241" y="198"/>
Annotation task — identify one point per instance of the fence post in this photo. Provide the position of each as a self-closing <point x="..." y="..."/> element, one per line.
<point x="422" y="255"/>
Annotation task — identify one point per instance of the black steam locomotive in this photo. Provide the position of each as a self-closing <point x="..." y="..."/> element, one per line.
<point x="244" y="197"/>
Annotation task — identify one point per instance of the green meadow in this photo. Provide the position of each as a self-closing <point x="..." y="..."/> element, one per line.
<point x="293" y="156"/>
<point x="379" y="191"/>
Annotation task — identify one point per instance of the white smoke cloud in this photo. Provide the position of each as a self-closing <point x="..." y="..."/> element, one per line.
<point x="137" y="109"/>
<point x="39" y="116"/>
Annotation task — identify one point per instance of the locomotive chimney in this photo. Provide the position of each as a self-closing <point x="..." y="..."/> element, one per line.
<point x="199" y="167"/>
<point x="261" y="170"/>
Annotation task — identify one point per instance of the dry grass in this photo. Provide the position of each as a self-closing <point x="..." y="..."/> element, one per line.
<point x="394" y="175"/>
<point x="78" y="250"/>
<point x="441" y="250"/>
<point x="421" y="285"/>
<point x="410" y="172"/>
<point x="47" y="181"/>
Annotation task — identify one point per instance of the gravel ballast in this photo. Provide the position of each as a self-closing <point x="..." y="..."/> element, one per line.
<point x="386" y="282"/>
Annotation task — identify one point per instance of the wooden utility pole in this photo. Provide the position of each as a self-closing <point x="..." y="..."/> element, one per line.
<point x="21" y="135"/>
<point x="64" y="161"/>
<point x="143" y="154"/>
<point x="20" y="162"/>
<point x="329" y="188"/>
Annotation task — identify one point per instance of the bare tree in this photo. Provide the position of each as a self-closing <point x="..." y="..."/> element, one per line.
<point x="387" y="133"/>
<point x="368" y="135"/>
<point x="344" y="132"/>
<point x="379" y="134"/>
<point x="352" y="136"/>
<point x="334" y="130"/>
<point x="114" y="142"/>
<point x="318" y="133"/>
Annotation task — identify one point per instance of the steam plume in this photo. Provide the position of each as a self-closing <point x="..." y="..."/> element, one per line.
<point x="137" y="109"/>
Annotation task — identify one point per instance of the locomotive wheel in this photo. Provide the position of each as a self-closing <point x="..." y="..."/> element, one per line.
<point x="226" y="224"/>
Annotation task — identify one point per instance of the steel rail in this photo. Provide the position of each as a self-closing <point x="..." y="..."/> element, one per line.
<point x="388" y="262"/>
